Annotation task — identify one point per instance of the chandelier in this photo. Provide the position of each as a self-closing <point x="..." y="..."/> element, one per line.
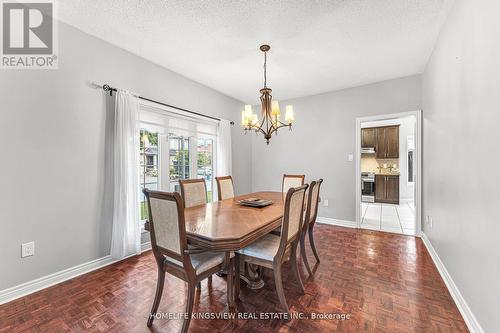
<point x="271" y="113"/>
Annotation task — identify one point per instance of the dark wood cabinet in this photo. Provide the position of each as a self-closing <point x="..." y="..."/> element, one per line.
<point x="387" y="189"/>
<point x="392" y="142"/>
<point x="368" y="137"/>
<point x="380" y="189"/>
<point x="387" y="142"/>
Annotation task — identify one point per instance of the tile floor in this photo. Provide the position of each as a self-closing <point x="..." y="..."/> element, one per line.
<point x="391" y="218"/>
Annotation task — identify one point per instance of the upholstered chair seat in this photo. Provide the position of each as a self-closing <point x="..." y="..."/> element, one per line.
<point x="202" y="262"/>
<point x="265" y="248"/>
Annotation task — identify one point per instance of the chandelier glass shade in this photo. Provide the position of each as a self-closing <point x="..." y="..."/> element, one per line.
<point x="270" y="110"/>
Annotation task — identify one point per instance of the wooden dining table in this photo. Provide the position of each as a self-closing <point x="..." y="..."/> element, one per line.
<point x="226" y="225"/>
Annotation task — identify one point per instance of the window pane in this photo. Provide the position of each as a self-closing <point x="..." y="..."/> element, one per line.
<point x="410" y="166"/>
<point x="205" y="163"/>
<point x="148" y="166"/>
<point x="178" y="161"/>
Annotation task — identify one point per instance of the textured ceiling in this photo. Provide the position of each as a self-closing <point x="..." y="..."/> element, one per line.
<point x="316" y="46"/>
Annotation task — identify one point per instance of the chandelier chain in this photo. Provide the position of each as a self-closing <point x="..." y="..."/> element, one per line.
<point x="265" y="69"/>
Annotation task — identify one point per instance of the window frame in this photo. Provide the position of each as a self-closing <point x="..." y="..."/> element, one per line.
<point x="165" y="132"/>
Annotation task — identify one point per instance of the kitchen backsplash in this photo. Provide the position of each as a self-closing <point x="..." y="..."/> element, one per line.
<point x="371" y="164"/>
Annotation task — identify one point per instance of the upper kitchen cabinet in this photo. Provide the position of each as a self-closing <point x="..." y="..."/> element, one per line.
<point x="387" y="142"/>
<point x="368" y="137"/>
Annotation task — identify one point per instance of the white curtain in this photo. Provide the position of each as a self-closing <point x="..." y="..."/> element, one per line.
<point x="126" y="235"/>
<point x="224" y="156"/>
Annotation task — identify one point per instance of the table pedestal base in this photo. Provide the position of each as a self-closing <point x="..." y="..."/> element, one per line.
<point x="251" y="276"/>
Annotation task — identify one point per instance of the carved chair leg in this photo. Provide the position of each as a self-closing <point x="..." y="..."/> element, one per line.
<point x="159" y="291"/>
<point x="189" y="307"/>
<point x="311" y="242"/>
<point x="303" y="254"/>
<point x="279" y="287"/>
<point x="295" y="268"/>
<point x="198" y="286"/>
<point x="210" y="279"/>
<point x="236" y="275"/>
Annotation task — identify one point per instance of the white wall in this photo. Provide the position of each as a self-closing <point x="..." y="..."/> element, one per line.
<point x="461" y="110"/>
<point x="52" y="143"/>
<point x="323" y="136"/>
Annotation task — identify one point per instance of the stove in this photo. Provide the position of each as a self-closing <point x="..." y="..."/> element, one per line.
<point x="368" y="186"/>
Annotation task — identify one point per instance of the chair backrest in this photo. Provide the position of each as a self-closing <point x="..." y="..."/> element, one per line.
<point x="166" y="223"/>
<point x="292" y="216"/>
<point x="225" y="188"/>
<point x="312" y="203"/>
<point x="194" y="192"/>
<point x="290" y="181"/>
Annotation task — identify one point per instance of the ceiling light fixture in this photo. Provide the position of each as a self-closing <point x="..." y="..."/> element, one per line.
<point x="271" y="113"/>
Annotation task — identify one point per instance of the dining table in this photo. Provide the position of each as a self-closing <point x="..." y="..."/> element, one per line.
<point x="226" y="225"/>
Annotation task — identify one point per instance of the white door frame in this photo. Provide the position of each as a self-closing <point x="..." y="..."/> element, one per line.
<point x="418" y="149"/>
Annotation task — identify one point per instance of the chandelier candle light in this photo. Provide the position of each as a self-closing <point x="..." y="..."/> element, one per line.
<point x="271" y="113"/>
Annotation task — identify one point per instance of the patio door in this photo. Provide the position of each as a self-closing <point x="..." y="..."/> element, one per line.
<point x="173" y="148"/>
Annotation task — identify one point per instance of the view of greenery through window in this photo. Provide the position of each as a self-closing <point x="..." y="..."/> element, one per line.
<point x="178" y="161"/>
<point x="148" y="166"/>
<point x="178" y="164"/>
<point x="204" y="163"/>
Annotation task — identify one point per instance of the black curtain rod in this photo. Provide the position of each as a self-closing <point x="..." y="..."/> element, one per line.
<point x="106" y="87"/>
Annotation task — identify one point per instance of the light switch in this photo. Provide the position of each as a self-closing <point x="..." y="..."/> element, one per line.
<point x="325" y="202"/>
<point x="350" y="157"/>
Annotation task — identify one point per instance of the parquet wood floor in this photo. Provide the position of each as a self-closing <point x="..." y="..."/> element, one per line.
<point x="385" y="282"/>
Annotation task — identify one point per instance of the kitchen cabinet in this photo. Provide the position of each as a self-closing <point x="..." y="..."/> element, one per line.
<point x="387" y="189"/>
<point x="387" y="142"/>
<point x="368" y="137"/>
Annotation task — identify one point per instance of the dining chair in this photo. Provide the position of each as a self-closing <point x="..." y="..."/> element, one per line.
<point x="290" y="181"/>
<point x="194" y="192"/>
<point x="225" y="188"/>
<point x="309" y="220"/>
<point x="170" y="249"/>
<point x="271" y="251"/>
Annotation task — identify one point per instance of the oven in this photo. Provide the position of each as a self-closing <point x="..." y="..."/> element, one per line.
<point x="368" y="187"/>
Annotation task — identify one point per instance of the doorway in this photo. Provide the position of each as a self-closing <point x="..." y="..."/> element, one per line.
<point x="388" y="173"/>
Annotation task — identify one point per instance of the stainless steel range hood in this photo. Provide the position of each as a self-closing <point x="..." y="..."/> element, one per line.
<point x="368" y="150"/>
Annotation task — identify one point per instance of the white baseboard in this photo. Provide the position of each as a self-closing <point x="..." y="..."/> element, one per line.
<point x="145" y="246"/>
<point x="462" y="306"/>
<point x="342" y="223"/>
<point x="43" y="282"/>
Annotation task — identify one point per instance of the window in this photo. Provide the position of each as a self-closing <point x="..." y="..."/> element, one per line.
<point x="148" y="166"/>
<point x="178" y="161"/>
<point x="410" y="159"/>
<point x="204" y="164"/>
<point x="172" y="147"/>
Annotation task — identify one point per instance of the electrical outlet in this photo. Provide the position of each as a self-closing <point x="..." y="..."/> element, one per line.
<point x="325" y="202"/>
<point x="27" y="249"/>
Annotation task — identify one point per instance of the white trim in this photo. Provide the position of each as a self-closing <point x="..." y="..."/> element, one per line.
<point x="145" y="247"/>
<point x="460" y="302"/>
<point x="418" y="165"/>
<point x="342" y="223"/>
<point x="46" y="281"/>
